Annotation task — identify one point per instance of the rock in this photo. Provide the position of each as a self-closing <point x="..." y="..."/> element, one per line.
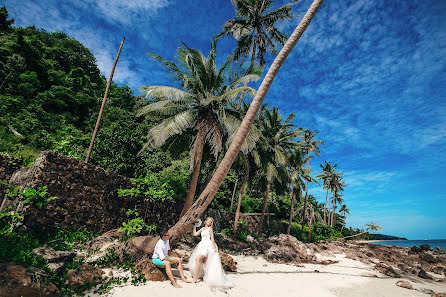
<point x="150" y="271"/>
<point x="404" y="284"/>
<point x="415" y="249"/>
<point x="183" y="251"/>
<point x="52" y="256"/>
<point x="17" y="281"/>
<point x="228" y="263"/>
<point x="287" y="249"/>
<point x="249" y="238"/>
<point x="55" y="267"/>
<point x="387" y="270"/>
<point x="437" y="269"/>
<point x="426" y="291"/>
<point x="423" y="274"/>
<point x="83" y="275"/>
<point x="425" y="247"/>
<point x="439" y="295"/>
<point x="429" y="258"/>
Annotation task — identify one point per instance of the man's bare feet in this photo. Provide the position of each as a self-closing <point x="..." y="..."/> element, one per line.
<point x="186" y="280"/>
<point x="195" y="281"/>
<point x="176" y="285"/>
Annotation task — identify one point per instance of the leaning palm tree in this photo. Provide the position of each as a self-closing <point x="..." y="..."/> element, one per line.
<point x="326" y="176"/>
<point x="211" y="189"/>
<point x="201" y="105"/>
<point x="344" y="210"/>
<point x="254" y="27"/>
<point x="309" y="145"/>
<point x="370" y="227"/>
<point x="276" y="143"/>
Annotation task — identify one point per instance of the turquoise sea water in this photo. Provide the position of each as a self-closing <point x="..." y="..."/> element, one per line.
<point x="441" y="243"/>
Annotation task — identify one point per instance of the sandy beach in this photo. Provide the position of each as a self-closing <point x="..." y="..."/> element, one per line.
<point x="256" y="277"/>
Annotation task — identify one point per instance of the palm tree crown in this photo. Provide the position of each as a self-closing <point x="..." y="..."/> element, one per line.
<point x="255" y="28"/>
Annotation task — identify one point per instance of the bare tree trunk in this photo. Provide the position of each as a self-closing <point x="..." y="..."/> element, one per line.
<point x="211" y="189"/>
<point x="239" y="202"/>
<point x="265" y="205"/>
<point x="305" y="200"/>
<point x="197" y="155"/>
<point x="233" y="194"/>
<point x="325" y="207"/>
<point x="293" y="196"/>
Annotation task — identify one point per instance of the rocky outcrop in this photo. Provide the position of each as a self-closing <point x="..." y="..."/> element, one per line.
<point x="228" y="263"/>
<point x="55" y="259"/>
<point x="84" y="275"/>
<point x="287" y="249"/>
<point x="17" y="281"/>
<point x="387" y="270"/>
<point x="87" y="196"/>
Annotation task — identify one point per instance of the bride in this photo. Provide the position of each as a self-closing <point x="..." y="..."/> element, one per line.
<point x="205" y="260"/>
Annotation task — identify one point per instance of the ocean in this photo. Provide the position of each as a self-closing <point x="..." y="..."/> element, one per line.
<point x="441" y="243"/>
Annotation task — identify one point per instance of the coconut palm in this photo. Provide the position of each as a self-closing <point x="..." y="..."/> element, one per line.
<point x="299" y="175"/>
<point x="344" y="210"/>
<point x="336" y="187"/>
<point x="254" y="27"/>
<point x="201" y="104"/>
<point x="326" y="176"/>
<point x="335" y="200"/>
<point x="276" y="143"/>
<point x="211" y="189"/>
<point x="308" y="144"/>
<point x="370" y="227"/>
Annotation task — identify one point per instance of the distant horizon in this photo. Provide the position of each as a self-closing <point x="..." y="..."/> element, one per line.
<point x="369" y="76"/>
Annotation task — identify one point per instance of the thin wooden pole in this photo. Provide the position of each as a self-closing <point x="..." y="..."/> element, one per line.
<point x="103" y="103"/>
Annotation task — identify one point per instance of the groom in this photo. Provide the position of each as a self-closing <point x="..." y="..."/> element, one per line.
<point x="161" y="258"/>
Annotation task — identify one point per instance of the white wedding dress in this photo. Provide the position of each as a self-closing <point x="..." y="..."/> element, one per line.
<point x="212" y="272"/>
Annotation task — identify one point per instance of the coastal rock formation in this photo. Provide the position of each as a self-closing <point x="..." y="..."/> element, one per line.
<point x="387" y="270"/>
<point x="87" y="196"/>
<point x="287" y="249"/>
<point x="228" y="263"/>
<point x="17" y="281"/>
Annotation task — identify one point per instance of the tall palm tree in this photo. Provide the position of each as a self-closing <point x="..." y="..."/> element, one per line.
<point x="254" y="27"/>
<point x="211" y="189"/>
<point x="326" y="176"/>
<point x="299" y="175"/>
<point x="309" y="145"/>
<point x="344" y="210"/>
<point x="201" y="105"/>
<point x="336" y="187"/>
<point x="276" y="143"/>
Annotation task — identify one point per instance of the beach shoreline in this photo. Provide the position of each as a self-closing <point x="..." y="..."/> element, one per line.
<point x="256" y="277"/>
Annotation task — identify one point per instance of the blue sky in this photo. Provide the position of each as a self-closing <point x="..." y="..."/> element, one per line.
<point x="370" y="76"/>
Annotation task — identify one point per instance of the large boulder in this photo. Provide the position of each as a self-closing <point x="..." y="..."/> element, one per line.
<point x="387" y="270"/>
<point x="150" y="271"/>
<point x="428" y="258"/>
<point x="426" y="247"/>
<point x="287" y="249"/>
<point x="423" y="274"/>
<point x="404" y="284"/>
<point x="85" y="274"/>
<point x="228" y="263"/>
<point x="17" y="281"/>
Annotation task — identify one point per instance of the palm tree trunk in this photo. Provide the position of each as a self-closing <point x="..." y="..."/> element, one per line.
<point x="250" y="65"/>
<point x="233" y="194"/>
<point x="333" y="212"/>
<point x="197" y="155"/>
<point x="267" y="217"/>
<point x="310" y="223"/>
<point x="211" y="189"/>
<point x="306" y="194"/>
<point x="325" y="207"/>
<point x="291" y="212"/>
<point x="265" y="205"/>
<point x="344" y="223"/>
<point x="239" y="202"/>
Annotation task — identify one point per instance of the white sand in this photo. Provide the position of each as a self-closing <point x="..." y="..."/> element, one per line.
<point x="255" y="277"/>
